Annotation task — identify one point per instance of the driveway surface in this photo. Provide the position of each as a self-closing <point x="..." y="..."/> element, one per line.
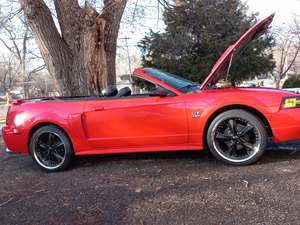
<point x="155" y="188"/>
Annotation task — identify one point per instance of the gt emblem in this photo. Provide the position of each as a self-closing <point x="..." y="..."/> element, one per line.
<point x="195" y="114"/>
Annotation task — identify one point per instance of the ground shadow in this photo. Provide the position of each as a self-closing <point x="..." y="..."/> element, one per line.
<point x="274" y="154"/>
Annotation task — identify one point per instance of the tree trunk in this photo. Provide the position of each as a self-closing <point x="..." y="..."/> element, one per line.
<point x="232" y="82"/>
<point x="277" y="83"/>
<point x="82" y="58"/>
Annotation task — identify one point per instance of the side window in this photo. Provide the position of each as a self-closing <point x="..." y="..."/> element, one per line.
<point x="141" y="86"/>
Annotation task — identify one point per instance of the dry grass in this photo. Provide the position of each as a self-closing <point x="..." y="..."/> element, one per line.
<point x="3" y="105"/>
<point x="2" y="117"/>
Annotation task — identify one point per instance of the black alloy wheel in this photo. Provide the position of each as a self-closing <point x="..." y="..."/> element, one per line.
<point x="51" y="148"/>
<point x="237" y="137"/>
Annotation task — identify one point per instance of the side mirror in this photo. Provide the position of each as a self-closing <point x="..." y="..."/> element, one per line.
<point x="160" y="93"/>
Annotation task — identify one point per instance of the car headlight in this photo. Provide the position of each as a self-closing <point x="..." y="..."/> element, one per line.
<point x="291" y="102"/>
<point x="19" y="119"/>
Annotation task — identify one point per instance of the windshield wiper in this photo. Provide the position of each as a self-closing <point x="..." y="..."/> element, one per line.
<point x="188" y="86"/>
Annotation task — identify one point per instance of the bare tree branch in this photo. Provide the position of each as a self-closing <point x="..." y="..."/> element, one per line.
<point x="12" y="38"/>
<point x="288" y="47"/>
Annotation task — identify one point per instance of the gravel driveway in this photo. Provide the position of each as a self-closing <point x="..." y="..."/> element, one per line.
<point x="155" y="188"/>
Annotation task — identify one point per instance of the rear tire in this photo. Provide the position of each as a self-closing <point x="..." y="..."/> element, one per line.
<point x="51" y="149"/>
<point x="237" y="137"/>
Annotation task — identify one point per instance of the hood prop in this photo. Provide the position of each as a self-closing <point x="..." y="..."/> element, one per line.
<point x="230" y="64"/>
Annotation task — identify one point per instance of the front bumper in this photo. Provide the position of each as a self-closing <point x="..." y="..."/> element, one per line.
<point x="285" y="124"/>
<point x="15" y="140"/>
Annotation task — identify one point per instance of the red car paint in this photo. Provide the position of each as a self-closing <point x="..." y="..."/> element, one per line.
<point x="220" y="68"/>
<point x="116" y="125"/>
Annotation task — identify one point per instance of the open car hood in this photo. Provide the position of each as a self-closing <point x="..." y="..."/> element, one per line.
<point x="223" y="63"/>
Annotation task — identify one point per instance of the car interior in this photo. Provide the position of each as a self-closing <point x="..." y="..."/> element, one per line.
<point x="139" y="89"/>
<point x="112" y="91"/>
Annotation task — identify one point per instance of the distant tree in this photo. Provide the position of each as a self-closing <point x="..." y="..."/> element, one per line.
<point x="17" y="42"/>
<point x="41" y="85"/>
<point x="292" y="82"/>
<point x="287" y="50"/>
<point x="7" y="72"/>
<point x="198" y="32"/>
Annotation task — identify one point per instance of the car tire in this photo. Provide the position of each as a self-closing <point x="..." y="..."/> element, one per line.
<point x="237" y="137"/>
<point x="51" y="149"/>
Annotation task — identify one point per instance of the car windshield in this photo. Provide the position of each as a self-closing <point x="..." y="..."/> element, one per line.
<point x="177" y="82"/>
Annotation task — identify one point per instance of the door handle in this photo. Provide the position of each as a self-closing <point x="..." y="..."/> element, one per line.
<point x="93" y="109"/>
<point x="99" y="108"/>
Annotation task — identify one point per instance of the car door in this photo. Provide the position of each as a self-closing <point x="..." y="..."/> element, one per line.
<point x="139" y="121"/>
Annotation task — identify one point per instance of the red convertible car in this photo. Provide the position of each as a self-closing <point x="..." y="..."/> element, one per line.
<point x="158" y="112"/>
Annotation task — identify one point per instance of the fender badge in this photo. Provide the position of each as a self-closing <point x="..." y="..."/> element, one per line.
<point x="195" y="114"/>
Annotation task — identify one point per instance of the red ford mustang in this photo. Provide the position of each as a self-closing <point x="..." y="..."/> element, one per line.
<point x="158" y="112"/>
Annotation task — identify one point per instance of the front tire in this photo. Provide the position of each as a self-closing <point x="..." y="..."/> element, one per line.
<point x="51" y="149"/>
<point x="237" y="137"/>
